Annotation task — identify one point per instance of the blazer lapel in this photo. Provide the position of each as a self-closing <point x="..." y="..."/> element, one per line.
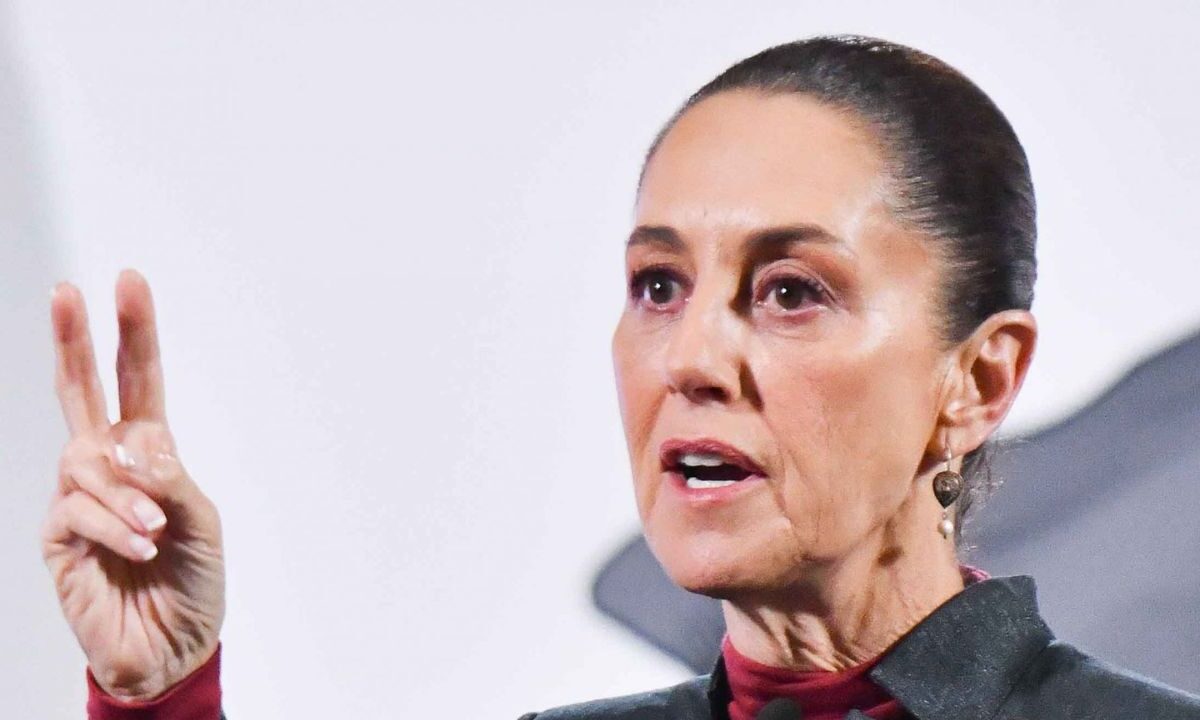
<point x="964" y="659"/>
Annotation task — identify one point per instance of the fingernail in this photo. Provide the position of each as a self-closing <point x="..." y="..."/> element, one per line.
<point x="142" y="547"/>
<point x="124" y="459"/>
<point x="149" y="515"/>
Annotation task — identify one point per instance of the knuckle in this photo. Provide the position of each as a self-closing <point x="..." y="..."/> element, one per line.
<point x="61" y="517"/>
<point x="148" y="437"/>
<point x="71" y="454"/>
<point x="61" y="522"/>
<point x="150" y="433"/>
<point x="51" y="524"/>
<point x="72" y="504"/>
<point x="81" y="449"/>
<point x="68" y="468"/>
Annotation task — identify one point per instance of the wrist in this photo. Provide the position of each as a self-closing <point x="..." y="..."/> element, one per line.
<point x="197" y="695"/>
<point x="121" y="682"/>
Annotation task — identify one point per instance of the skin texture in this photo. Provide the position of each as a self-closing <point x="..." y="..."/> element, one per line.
<point x="133" y="545"/>
<point x="815" y="351"/>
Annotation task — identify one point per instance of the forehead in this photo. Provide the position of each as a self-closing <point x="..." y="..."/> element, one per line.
<point x="743" y="159"/>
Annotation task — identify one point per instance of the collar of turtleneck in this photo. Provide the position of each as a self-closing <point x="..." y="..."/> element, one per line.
<point x="821" y="695"/>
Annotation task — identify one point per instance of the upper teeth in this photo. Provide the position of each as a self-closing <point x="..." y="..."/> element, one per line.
<point x="702" y="459"/>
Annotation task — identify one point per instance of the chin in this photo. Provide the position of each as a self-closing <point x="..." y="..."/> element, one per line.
<point x="714" y="564"/>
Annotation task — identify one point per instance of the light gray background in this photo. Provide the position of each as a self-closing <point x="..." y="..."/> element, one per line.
<point x="386" y="244"/>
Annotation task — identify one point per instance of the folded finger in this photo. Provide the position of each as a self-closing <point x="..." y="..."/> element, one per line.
<point x="92" y="473"/>
<point x="76" y="379"/>
<point x="139" y="367"/>
<point x="79" y="515"/>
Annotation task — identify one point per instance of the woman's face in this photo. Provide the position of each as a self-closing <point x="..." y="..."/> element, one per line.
<point x="779" y="322"/>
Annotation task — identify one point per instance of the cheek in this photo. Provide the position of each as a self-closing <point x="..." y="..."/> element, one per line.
<point x="852" y="423"/>
<point x="633" y="362"/>
<point x="640" y="391"/>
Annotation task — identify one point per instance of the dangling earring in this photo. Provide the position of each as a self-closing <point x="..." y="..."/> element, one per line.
<point x="947" y="486"/>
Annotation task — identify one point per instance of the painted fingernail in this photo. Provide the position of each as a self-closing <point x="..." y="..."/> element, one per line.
<point x="142" y="547"/>
<point x="124" y="459"/>
<point x="149" y="515"/>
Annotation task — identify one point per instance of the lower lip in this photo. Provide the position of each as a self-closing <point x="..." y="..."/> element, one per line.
<point x="710" y="496"/>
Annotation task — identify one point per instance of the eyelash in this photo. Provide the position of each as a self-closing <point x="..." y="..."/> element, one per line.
<point x="810" y="289"/>
<point x="638" y="283"/>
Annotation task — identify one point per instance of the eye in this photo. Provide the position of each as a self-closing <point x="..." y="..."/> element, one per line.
<point x="656" y="288"/>
<point x="791" y="292"/>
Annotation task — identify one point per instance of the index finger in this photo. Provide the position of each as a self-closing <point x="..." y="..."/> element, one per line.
<point x="75" y="379"/>
<point x="139" y="367"/>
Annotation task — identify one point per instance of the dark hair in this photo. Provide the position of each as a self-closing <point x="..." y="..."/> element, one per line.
<point x="957" y="172"/>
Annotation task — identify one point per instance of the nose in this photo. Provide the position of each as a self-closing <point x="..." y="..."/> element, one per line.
<point x="703" y="359"/>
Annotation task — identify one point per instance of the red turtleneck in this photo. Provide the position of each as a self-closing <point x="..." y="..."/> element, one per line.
<point x="821" y="695"/>
<point x="197" y="697"/>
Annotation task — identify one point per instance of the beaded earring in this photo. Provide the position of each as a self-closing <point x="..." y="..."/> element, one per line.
<point x="947" y="486"/>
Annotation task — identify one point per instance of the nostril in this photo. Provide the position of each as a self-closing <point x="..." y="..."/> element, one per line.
<point x="698" y="387"/>
<point x="702" y="376"/>
<point x="710" y="393"/>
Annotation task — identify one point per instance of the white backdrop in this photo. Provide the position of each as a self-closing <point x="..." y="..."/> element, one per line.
<point x="386" y="239"/>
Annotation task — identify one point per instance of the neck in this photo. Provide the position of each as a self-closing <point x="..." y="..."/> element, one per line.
<point x="844" y="613"/>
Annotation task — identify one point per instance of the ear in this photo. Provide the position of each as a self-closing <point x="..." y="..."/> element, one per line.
<point x="986" y="373"/>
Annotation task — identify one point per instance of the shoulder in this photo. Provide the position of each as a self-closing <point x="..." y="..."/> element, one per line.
<point x="1063" y="681"/>
<point x="687" y="699"/>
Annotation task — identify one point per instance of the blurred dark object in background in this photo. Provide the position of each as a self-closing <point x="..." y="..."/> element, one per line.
<point x="1102" y="509"/>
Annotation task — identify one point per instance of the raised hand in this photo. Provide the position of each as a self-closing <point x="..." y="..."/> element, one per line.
<point x="133" y="546"/>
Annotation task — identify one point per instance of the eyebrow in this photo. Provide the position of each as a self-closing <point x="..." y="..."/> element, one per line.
<point x="761" y="240"/>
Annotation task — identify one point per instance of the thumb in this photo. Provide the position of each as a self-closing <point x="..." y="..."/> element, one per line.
<point x="143" y="454"/>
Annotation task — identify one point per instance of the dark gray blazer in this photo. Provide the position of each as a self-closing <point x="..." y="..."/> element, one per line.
<point x="986" y="653"/>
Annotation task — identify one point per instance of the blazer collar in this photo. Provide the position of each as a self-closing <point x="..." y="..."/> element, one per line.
<point x="965" y="658"/>
<point x="960" y="661"/>
<point x="717" y="692"/>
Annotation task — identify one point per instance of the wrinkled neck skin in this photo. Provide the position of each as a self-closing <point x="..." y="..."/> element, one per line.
<point x="845" y="612"/>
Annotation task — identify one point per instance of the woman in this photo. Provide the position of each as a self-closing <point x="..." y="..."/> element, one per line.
<point x="828" y="316"/>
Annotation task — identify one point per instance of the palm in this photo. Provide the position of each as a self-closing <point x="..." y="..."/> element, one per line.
<point x="129" y="617"/>
<point x="143" y="624"/>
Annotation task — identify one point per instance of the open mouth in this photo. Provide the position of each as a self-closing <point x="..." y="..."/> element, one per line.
<point x="707" y="464"/>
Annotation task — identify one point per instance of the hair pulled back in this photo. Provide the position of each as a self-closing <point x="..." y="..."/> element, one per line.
<point x="955" y="168"/>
